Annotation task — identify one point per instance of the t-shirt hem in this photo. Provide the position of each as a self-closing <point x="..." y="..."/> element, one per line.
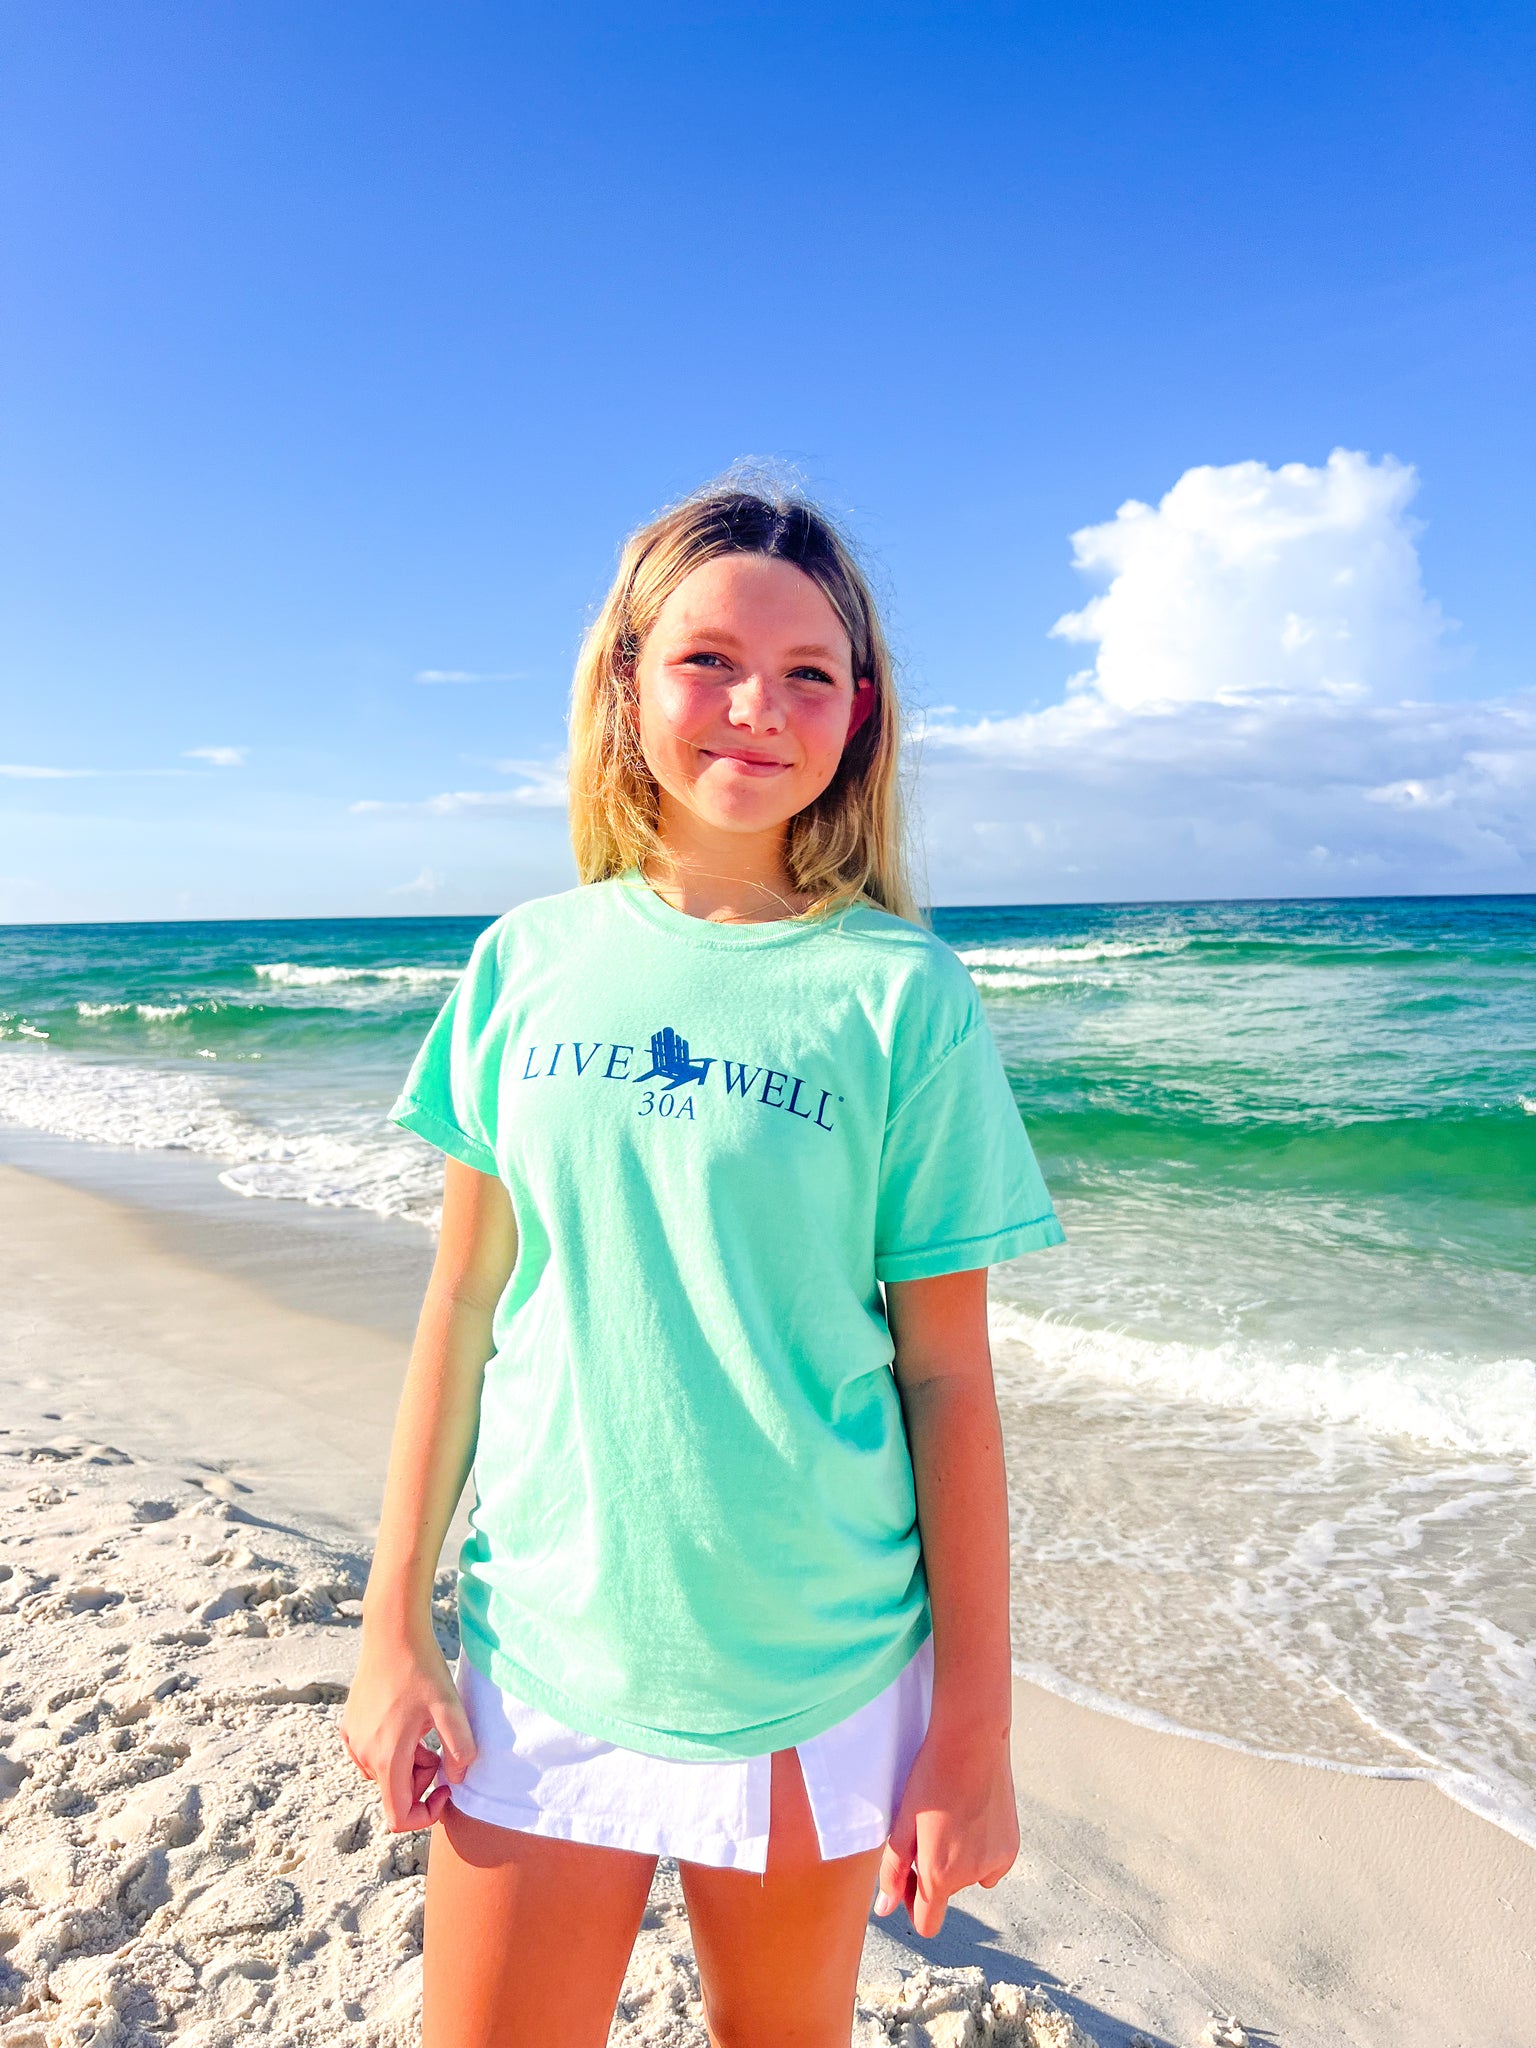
<point x="445" y="1136"/>
<point x="760" y="1740"/>
<point x="964" y="1254"/>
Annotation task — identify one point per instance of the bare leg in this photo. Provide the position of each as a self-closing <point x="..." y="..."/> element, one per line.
<point x="527" y="1939"/>
<point x="779" y="1955"/>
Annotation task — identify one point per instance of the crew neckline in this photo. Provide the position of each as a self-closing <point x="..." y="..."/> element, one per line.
<point x="637" y="895"/>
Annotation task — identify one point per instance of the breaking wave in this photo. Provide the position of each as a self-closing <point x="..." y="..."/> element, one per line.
<point x="373" y="1167"/>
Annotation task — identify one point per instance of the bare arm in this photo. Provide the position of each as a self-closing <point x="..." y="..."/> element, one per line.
<point x="438" y="1417"/>
<point x="957" y="1824"/>
<point x="403" y="1686"/>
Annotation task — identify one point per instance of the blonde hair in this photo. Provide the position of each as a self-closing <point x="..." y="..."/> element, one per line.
<point x="847" y="845"/>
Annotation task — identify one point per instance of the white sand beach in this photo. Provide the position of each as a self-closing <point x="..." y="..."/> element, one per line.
<point x="189" y="1469"/>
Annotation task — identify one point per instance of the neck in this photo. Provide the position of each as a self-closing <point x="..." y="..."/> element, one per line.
<point x="724" y="877"/>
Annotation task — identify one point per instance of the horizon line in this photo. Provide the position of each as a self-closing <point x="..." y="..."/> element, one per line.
<point x="1068" y="903"/>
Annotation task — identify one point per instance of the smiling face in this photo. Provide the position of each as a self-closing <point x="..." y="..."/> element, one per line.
<point x="747" y="695"/>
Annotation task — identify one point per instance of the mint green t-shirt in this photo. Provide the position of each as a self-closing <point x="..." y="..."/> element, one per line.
<point x="694" y="1531"/>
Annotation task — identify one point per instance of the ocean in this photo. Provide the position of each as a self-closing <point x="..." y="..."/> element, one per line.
<point x="1271" y="1410"/>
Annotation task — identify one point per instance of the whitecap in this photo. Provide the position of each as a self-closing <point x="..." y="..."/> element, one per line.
<point x="1479" y="1406"/>
<point x="988" y="977"/>
<point x="1064" y="956"/>
<point x="292" y="974"/>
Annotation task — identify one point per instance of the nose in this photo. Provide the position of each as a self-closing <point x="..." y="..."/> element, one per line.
<point x="757" y="703"/>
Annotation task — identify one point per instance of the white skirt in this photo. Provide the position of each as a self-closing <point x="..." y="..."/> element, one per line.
<point x="534" y="1774"/>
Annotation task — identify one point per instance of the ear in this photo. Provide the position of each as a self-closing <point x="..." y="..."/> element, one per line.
<point x="863" y="705"/>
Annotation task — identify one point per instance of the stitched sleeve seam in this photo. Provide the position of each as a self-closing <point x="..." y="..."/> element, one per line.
<point x="976" y="1024"/>
<point x="435" y="1129"/>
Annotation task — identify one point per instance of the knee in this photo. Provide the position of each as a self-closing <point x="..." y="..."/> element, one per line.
<point x="794" y="2014"/>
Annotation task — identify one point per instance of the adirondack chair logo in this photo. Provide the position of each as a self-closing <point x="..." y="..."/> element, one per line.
<point x="670" y="1061"/>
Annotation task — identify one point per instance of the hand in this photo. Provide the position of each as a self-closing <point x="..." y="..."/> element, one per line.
<point x="402" y="1689"/>
<point x="957" y="1825"/>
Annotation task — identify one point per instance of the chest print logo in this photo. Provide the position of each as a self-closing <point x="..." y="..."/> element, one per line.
<point x="669" y="1056"/>
<point x="673" y="1067"/>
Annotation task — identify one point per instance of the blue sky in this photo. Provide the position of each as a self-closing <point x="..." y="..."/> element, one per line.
<point x="346" y="342"/>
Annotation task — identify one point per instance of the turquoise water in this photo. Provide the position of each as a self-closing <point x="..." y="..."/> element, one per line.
<point x="1272" y="1408"/>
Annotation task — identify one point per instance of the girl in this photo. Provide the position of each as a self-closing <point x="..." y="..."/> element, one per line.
<point x="729" y="1150"/>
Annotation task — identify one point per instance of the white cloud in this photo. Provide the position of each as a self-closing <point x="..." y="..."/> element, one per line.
<point x="217" y="757"/>
<point x="543" y="788"/>
<point x="20" y="771"/>
<point x="545" y="782"/>
<point x="1247" y="581"/>
<point x="1252" y="580"/>
<point x="427" y="883"/>
<point x="466" y="675"/>
<point x="1256" y="719"/>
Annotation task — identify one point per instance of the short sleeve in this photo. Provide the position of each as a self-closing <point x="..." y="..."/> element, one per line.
<point x="450" y="1094"/>
<point x="959" y="1186"/>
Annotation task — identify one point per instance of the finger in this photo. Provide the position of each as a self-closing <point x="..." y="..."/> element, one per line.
<point x="454" y="1733"/>
<point x="896" y="1867"/>
<point x="926" y="1908"/>
<point x="930" y="1892"/>
<point x="351" y="1752"/>
<point x="929" y="1918"/>
<point x="434" y="1803"/>
<point x="399" y="1793"/>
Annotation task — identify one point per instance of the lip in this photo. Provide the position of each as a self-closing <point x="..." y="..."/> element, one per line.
<point x="756" y="764"/>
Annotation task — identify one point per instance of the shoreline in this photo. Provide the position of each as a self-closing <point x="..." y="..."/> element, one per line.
<point x="1483" y="1808"/>
<point x="186" y="1364"/>
<point x="339" y="1261"/>
<point x="1205" y="1876"/>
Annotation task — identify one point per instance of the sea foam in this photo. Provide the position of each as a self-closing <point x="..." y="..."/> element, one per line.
<point x="1486" y="1407"/>
<point x="1064" y="956"/>
<point x="371" y="1166"/>
<point x="293" y="974"/>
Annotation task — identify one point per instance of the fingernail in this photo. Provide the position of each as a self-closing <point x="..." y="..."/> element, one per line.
<point x="884" y="1903"/>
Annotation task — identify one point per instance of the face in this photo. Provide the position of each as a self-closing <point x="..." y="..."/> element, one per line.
<point x="747" y="694"/>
